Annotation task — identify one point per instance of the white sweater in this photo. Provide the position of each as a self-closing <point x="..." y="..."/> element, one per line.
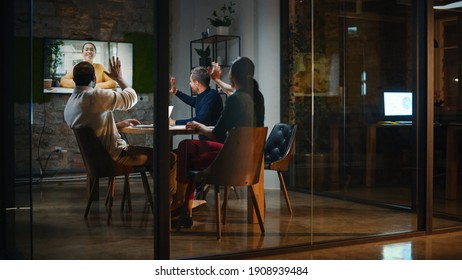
<point x="94" y="107"/>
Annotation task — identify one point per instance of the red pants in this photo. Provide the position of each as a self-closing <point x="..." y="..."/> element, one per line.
<point x="195" y="155"/>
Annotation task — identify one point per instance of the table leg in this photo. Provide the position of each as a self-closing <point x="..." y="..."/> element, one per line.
<point x="451" y="162"/>
<point x="371" y="150"/>
<point x="335" y="158"/>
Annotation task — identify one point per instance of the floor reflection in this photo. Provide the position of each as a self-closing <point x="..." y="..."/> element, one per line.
<point x="61" y="232"/>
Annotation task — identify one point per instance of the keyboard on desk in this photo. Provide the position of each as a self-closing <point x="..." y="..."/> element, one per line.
<point x="394" y="123"/>
<point x="404" y="122"/>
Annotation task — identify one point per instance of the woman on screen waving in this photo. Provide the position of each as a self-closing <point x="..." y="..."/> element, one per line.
<point x="102" y="79"/>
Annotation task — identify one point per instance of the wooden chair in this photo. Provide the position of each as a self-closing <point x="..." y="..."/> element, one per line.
<point x="99" y="164"/>
<point x="237" y="164"/>
<point x="278" y="151"/>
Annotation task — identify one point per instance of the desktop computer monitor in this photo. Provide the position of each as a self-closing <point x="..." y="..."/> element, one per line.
<point x="397" y="104"/>
<point x="397" y="108"/>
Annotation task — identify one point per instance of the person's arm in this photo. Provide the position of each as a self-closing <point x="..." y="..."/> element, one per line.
<point x="225" y="87"/>
<point x="102" y="79"/>
<point x="116" y="100"/>
<point x="67" y="81"/>
<point x="191" y="101"/>
<point x="201" y="129"/>
<point x="127" y="122"/>
<point x="215" y="75"/>
<point x="186" y="98"/>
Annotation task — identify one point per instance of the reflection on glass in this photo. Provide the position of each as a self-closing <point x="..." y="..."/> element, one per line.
<point x="356" y="160"/>
<point x="397" y="251"/>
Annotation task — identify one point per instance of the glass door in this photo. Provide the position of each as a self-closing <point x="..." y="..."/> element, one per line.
<point x="447" y="181"/>
<point x="353" y="96"/>
<point x="16" y="197"/>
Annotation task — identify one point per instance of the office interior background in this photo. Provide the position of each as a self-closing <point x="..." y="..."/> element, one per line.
<point x="356" y="174"/>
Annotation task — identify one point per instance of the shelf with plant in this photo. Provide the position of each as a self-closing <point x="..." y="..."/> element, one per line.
<point x="204" y="56"/>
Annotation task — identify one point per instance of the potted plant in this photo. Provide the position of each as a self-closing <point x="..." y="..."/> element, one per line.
<point x="204" y="56"/>
<point x="53" y="59"/>
<point x="222" y="20"/>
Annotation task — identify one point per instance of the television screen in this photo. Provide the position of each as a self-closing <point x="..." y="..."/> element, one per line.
<point x="61" y="55"/>
<point x="397" y="104"/>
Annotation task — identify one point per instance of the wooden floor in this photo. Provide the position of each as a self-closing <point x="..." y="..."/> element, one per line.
<point x="61" y="232"/>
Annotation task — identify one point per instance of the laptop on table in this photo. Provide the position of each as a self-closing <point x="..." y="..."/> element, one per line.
<point x="170" y="109"/>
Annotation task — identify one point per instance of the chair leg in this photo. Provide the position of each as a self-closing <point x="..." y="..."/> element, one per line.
<point x="236" y="192"/>
<point x="218" y="214"/>
<point x="94" y="185"/>
<point x="89" y="185"/>
<point x="257" y="209"/>
<point x="126" y="195"/>
<point x="225" y="203"/>
<point x="111" y="198"/>
<point x="147" y="190"/>
<point x="108" y="192"/>
<point x="284" y="190"/>
<point x="90" y="182"/>
<point x="205" y="191"/>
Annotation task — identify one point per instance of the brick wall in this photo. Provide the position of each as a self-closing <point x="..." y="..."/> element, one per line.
<point x="103" y="20"/>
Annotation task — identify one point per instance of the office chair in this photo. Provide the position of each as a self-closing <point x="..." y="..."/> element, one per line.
<point x="99" y="164"/>
<point x="238" y="163"/>
<point x="278" y="150"/>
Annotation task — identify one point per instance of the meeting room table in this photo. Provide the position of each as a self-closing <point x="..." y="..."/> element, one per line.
<point x="182" y="130"/>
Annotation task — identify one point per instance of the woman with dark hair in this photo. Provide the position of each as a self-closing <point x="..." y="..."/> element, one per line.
<point x="102" y="78"/>
<point x="245" y="107"/>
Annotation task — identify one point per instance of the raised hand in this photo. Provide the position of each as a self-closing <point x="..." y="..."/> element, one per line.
<point x="214" y="71"/>
<point x="115" y="68"/>
<point x="116" y="72"/>
<point x="173" y="88"/>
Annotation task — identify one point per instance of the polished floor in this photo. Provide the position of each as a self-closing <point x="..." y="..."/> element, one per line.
<point x="61" y="232"/>
<point x="443" y="246"/>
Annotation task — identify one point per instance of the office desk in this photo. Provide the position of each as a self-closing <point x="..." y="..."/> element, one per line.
<point x="258" y="188"/>
<point x="371" y="149"/>
<point x="453" y="134"/>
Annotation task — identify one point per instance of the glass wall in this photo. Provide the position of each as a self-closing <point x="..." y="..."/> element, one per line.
<point x="352" y="93"/>
<point x="17" y="187"/>
<point x="60" y="187"/>
<point x="448" y="118"/>
<point x="348" y="80"/>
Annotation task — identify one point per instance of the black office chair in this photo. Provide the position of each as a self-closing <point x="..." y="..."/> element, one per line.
<point x="278" y="150"/>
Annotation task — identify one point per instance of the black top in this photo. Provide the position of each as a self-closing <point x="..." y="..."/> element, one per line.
<point x="240" y="110"/>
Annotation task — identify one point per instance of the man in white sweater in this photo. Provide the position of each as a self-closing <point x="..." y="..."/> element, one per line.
<point x="93" y="107"/>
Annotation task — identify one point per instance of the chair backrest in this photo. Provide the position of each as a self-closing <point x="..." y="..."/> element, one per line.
<point x="279" y="146"/>
<point x="97" y="160"/>
<point x="239" y="162"/>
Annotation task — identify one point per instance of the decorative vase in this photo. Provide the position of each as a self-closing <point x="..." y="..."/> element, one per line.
<point x="222" y="30"/>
